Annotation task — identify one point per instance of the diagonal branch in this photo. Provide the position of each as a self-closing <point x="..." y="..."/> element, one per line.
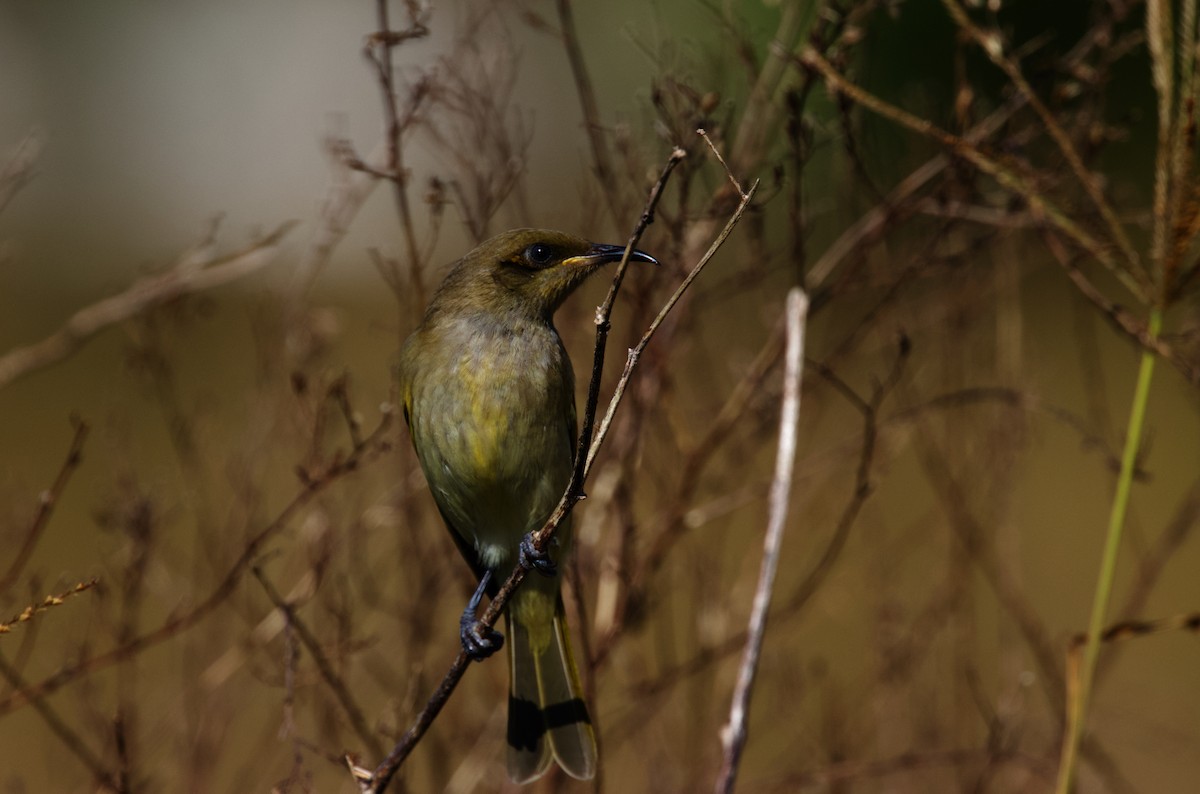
<point x="183" y="279"/>
<point x="47" y="501"/>
<point x="334" y="681"/>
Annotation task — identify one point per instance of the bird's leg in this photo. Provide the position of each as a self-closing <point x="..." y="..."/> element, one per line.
<point x="532" y="559"/>
<point x="478" y="641"/>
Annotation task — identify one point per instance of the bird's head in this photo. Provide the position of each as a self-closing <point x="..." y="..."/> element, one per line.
<point x="525" y="271"/>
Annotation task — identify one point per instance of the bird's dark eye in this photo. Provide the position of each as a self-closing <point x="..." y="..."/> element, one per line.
<point x="539" y="254"/>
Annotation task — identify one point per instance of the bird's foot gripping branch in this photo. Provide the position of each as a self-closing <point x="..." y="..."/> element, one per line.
<point x="531" y="558"/>
<point x="479" y="640"/>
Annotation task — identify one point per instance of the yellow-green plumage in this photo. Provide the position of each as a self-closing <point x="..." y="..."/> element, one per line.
<point x="489" y="396"/>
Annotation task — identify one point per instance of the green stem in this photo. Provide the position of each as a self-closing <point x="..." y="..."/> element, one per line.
<point x="1077" y="705"/>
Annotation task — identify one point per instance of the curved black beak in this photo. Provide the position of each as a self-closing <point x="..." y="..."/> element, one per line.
<point x="603" y="253"/>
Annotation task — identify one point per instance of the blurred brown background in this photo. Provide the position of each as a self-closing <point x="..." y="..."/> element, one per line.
<point x="951" y="494"/>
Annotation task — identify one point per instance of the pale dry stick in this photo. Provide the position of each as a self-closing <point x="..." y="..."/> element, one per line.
<point x="733" y="735"/>
<point x="184" y="279"/>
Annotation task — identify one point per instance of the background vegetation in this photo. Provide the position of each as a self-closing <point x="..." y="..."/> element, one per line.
<point x="990" y="208"/>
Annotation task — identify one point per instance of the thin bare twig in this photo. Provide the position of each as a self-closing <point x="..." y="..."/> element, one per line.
<point x="71" y="739"/>
<point x="636" y="352"/>
<point x="47" y="501"/>
<point x="733" y="735"/>
<point x="334" y="681"/>
<point x="1130" y="629"/>
<point x="717" y="153"/>
<point x="28" y="613"/>
<point x="384" y="40"/>
<point x="588" y="445"/>
<point x="1120" y="317"/>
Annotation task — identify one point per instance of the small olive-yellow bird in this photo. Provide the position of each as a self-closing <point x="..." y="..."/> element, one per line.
<point x="489" y="397"/>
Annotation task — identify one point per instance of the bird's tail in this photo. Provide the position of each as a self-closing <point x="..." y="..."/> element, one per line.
<point x="547" y="717"/>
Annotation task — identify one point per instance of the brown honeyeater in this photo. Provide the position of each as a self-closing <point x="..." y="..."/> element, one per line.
<point x="489" y="397"/>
